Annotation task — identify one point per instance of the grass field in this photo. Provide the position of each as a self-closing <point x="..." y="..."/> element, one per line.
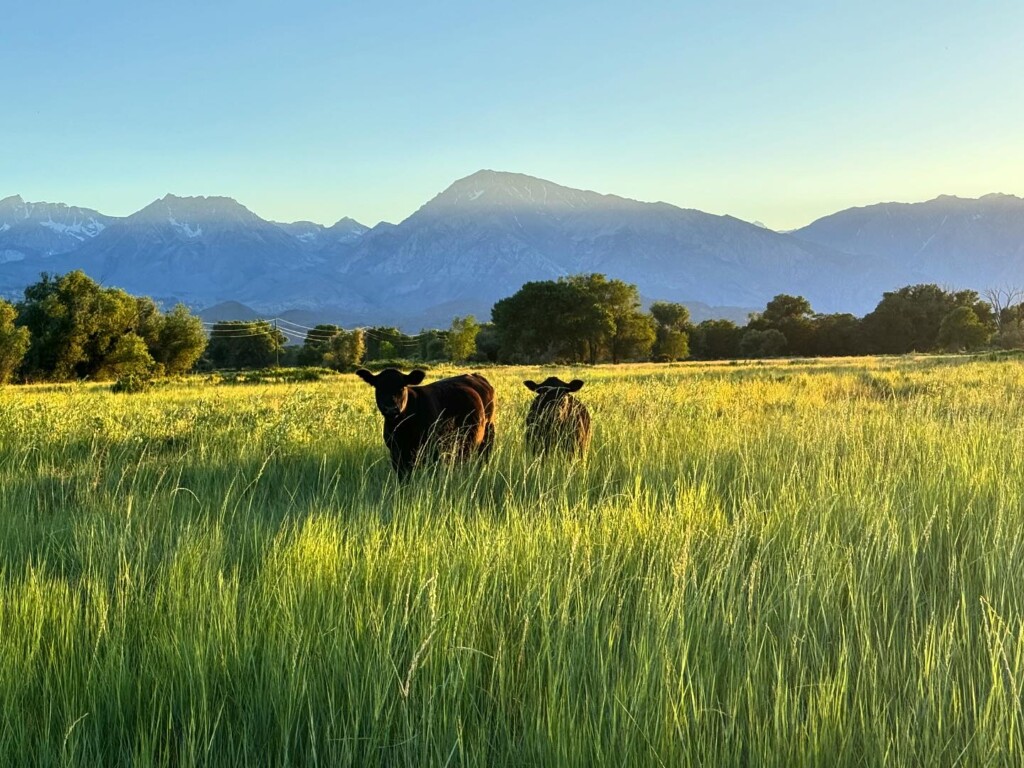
<point x="796" y="563"/>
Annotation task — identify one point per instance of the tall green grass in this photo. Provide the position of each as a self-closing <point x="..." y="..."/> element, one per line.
<point x="815" y="563"/>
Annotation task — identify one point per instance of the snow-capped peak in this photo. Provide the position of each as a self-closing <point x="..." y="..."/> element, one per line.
<point x="47" y="228"/>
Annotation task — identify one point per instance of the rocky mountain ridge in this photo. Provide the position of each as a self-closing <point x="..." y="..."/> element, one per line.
<point x="490" y="232"/>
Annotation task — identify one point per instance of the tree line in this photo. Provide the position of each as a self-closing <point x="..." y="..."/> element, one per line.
<point x="590" y="318"/>
<point x="259" y="344"/>
<point x="915" y="318"/>
<point x="70" y="328"/>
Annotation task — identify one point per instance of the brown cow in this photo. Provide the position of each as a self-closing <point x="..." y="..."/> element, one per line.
<point x="448" y="417"/>
<point x="556" y="419"/>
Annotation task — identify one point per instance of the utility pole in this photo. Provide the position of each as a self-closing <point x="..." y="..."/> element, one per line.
<point x="277" y="345"/>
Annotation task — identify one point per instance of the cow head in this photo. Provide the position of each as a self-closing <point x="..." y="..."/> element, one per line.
<point x="391" y="388"/>
<point x="552" y="390"/>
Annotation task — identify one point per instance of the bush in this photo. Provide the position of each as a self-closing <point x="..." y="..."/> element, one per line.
<point x="271" y="376"/>
<point x="396" y="362"/>
<point x="132" y="384"/>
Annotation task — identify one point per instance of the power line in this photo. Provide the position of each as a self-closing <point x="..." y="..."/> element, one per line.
<point x="299" y="325"/>
<point x="244" y="329"/>
<point x="218" y="335"/>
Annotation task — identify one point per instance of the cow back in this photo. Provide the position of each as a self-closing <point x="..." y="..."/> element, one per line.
<point x="440" y="409"/>
<point x="563" y="423"/>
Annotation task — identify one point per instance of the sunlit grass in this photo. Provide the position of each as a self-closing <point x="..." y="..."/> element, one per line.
<point x="792" y="563"/>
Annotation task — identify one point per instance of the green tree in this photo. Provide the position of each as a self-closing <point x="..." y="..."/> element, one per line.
<point x="128" y="357"/>
<point x="838" y="335"/>
<point x="634" y="337"/>
<point x="961" y="329"/>
<point x="793" y="318"/>
<point x="619" y="330"/>
<point x="180" y="341"/>
<point x="784" y="307"/>
<point x="14" y="342"/>
<point x="461" y="342"/>
<point x="908" y="320"/>
<point x="345" y="350"/>
<point x="670" y="344"/>
<point x="547" y="320"/>
<point x="716" y="340"/>
<point x="1011" y="327"/>
<point x="75" y="324"/>
<point x="671" y="315"/>
<point x="672" y="340"/>
<point x="77" y="329"/>
<point x="488" y="345"/>
<point x="116" y="314"/>
<point x="387" y="343"/>
<point x="149" y="321"/>
<point x="432" y="344"/>
<point x="316" y="344"/>
<point x="245" y="344"/>
<point x="59" y="314"/>
<point x="757" y="343"/>
<point x="578" y="318"/>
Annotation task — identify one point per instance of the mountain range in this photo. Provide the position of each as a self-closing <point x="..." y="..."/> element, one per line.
<point x="487" y="234"/>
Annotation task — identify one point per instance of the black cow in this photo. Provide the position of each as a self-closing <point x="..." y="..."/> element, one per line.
<point x="556" y="419"/>
<point x="453" y="417"/>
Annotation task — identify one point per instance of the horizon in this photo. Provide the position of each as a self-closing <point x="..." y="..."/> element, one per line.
<point x="776" y="115"/>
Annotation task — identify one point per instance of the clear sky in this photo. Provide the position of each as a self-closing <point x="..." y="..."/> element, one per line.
<point x="779" y="112"/>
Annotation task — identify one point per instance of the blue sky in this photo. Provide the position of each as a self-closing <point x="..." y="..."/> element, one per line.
<point x="780" y="112"/>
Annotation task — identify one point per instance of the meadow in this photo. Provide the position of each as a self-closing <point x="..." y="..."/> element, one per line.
<point x="787" y="563"/>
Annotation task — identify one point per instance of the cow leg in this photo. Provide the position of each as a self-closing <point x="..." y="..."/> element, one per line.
<point x="402" y="464"/>
<point x="488" y="443"/>
<point x="476" y="438"/>
<point x="404" y="470"/>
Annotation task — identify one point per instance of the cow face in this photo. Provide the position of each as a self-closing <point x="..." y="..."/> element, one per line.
<point x="553" y="390"/>
<point x="391" y="388"/>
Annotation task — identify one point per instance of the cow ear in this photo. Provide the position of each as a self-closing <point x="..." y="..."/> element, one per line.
<point x="575" y="385"/>
<point x="416" y="377"/>
<point x="531" y="385"/>
<point x="366" y="376"/>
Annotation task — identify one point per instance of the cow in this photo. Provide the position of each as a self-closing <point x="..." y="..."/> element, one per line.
<point x="557" y="420"/>
<point x="451" y="417"/>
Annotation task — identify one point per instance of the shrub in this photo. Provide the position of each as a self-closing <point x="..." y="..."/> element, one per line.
<point x="132" y="384"/>
<point x="395" y="362"/>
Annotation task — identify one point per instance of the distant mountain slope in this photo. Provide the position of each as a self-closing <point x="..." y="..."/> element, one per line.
<point x="205" y="250"/>
<point x="957" y="241"/>
<point x="485" y="235"/>
<point x="45" y="229"/>
<point x="315" y="237"/>
<point x="228" y="310"/>
<point x="490" y="232"/>
<point x="35" y="237"/>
